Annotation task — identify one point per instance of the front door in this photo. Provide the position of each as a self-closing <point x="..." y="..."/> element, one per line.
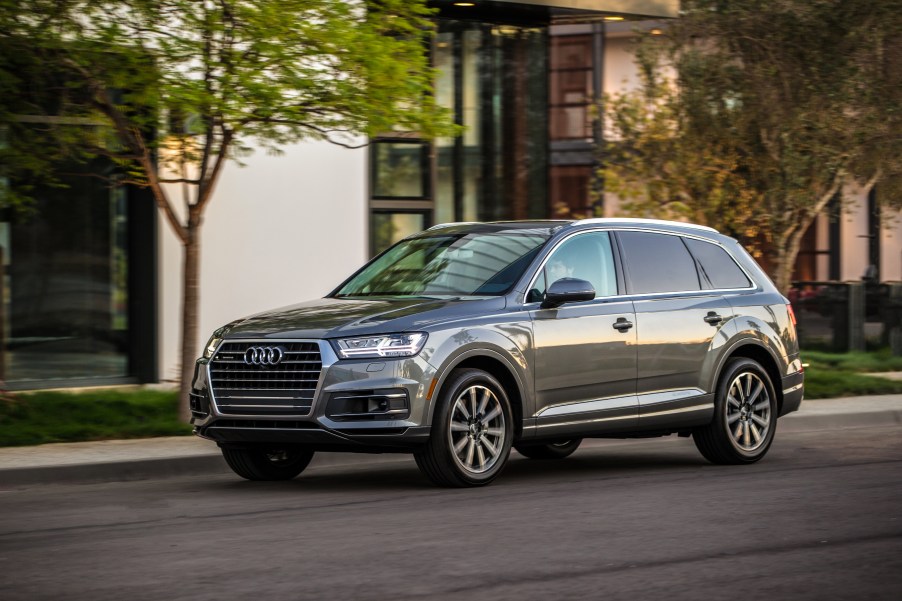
<point x="585" y="367"/>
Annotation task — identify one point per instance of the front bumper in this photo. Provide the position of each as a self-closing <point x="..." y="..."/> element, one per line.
<point x="323" y="428"/>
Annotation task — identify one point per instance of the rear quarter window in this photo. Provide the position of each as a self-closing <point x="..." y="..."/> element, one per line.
<point x="716" y="267"/>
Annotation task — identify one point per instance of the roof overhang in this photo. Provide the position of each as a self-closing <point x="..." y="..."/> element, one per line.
<point x="658" y="9"/>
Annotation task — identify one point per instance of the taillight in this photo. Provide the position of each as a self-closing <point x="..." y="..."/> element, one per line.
<point x="792" y="314"/>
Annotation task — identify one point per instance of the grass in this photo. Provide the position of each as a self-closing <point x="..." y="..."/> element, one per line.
<point x="41" y="417"/>
<point x="832" y="375"/>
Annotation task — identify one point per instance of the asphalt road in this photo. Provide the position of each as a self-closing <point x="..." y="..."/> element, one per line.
<point x="819" y="518"/>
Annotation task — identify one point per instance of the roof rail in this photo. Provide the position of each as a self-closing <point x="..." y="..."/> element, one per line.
<point x="628" y="220"/>
<point x="449" y="224"/>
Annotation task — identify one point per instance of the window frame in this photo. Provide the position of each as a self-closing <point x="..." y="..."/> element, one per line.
<point x="619" y="263"/>
<point x="702" y="291"/>
<point x="540" y="269"/>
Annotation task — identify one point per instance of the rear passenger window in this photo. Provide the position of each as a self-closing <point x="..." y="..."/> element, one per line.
<point x="716" y="267"/>
<point x="658" y="263"/>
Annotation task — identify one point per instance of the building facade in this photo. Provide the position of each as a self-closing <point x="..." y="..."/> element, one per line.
<point x="92" y="277"/>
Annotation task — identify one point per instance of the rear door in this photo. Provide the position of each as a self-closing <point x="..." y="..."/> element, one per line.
<point x="679" y="322"/>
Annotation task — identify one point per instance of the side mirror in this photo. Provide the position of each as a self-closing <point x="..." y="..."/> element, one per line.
<point x="567" y="290"/>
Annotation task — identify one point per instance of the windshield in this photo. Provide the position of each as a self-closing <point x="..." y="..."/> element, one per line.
<point x="460" y="264"/>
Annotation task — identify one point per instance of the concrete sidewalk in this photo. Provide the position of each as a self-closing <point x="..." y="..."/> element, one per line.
<point x="119" y="460"/>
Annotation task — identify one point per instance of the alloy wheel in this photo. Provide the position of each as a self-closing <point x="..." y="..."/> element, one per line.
<point x="477" y="429"/>
<point x="748" y="412"/>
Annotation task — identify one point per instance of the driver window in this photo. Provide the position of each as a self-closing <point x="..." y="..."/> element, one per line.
<point x="586" y="257"/>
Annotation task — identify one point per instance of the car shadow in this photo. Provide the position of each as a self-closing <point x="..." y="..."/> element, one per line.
<point x="403" y="475"/>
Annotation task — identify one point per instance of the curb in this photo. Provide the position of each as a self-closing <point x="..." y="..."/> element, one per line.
<point x="214" y="464"/>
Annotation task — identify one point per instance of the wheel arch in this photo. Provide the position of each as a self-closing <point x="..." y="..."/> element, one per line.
<point x="495" y="365"/>
<point x="752" y="349"/>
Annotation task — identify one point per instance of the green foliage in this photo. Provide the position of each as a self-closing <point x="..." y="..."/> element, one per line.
<point x="44" y="417"/>
<point x="857" y="361"/>
<point x="752" y="115"/>
<point x="211" y="78"/>
<point x="830" y="375"/>
<point x="820" y="384"/>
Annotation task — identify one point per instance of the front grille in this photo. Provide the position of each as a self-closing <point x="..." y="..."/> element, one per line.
<point x="286" y="388"/>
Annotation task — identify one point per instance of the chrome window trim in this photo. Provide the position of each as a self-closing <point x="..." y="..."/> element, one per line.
<point x="323" y="345"/>
<point x="645" y="295"/>
<point x="606" y="404"/>
<point x="587" y="421"/>
<point x="703" y="407"/>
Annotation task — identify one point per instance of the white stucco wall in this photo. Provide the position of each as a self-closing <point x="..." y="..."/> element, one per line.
<point x="280" y="230"/>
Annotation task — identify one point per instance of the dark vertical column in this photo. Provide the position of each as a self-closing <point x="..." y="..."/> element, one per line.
<point x="596" y="181"/>
<point x="458" y="160"/>
<point x="142" y="286"/>
<point x="873" y="235"/>
<point x="488" y="189"/>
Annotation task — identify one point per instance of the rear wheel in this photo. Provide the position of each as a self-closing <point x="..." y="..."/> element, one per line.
<point x="554" y="450"/>
<point x="267" y="462"/>
<point x="472" y="431"/>
<point x="745" y="416"/>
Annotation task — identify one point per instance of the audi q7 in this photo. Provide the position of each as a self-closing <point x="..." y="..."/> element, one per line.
<point x="467" y="340"/>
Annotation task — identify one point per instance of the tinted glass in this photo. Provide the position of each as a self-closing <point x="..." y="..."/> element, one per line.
<point x="462" y="264"/>
<point x="658" y="263"/>
<point x="715" y="265"/>
<point x="586" y="257"/>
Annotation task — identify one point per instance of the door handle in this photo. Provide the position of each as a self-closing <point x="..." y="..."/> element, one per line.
<point x="622" y="324"/>
<point x="713" y="318"/>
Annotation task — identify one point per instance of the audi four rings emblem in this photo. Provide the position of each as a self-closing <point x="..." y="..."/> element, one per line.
<point x="263" y="355"/>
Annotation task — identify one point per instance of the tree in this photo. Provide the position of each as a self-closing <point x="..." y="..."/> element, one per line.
<point x="753" y="115"/>
<point x="184" y="85"/>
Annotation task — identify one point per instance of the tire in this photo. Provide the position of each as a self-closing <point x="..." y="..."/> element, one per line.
<point x="472" y="431"/>
<point x="745" y="416"/>
<point x="267" y="462"/>
<point x="555" y="450"/>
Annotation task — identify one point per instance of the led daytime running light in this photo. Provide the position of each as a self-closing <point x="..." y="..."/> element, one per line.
<point x="394" y="345"/>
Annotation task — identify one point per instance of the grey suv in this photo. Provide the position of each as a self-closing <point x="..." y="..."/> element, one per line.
<point x="468" y="339"/>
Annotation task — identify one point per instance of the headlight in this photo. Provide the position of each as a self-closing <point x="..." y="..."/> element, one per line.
<point x="212" y="345"/>
<point x="374" y="347"/>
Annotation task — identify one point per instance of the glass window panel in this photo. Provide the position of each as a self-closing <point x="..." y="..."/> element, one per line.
<point x="389" y="228"/>
<point x="570" y="122"/>
<point x="716" y="266"/>
<point x="398" y="169"/>
<point x="443" y="61"/>
<point x="471" y="43"/>
<point x="469" y="263"/>
<point x="571" y="87"/>
<point x="658" y="263"/>
<point x="586" y="257"/>
<point x="65" y="301"/>
<point x="569" y="52"/>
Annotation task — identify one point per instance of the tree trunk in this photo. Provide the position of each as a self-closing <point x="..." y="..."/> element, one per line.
<point x="190" y="301"/>
<point x="785" y="258"/>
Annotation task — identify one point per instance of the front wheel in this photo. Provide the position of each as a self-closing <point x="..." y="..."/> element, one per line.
<point x="554" y="450"/>
<point x="267" y="462"/>
<point x="745" y="416"/>
<point x="472" y="431"/>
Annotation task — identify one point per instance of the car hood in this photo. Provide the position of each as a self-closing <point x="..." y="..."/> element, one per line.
<point x="333" y="317"/>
